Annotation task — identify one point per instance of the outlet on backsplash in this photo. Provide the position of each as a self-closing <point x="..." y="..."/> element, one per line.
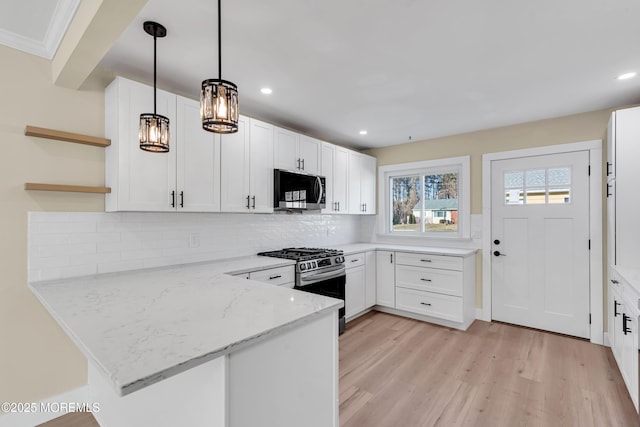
<point x="194" y="240"/>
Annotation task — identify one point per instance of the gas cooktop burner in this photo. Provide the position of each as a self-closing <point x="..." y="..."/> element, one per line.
<point x="302" y="254"/>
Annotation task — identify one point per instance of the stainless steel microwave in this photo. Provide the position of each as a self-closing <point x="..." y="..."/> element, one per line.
<point x="296" y="191"/>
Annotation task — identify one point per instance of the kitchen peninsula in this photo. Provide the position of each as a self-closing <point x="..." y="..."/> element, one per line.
<point x="193" y="345"/>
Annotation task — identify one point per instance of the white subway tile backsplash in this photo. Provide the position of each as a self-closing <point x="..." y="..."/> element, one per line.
<point x="65" y="244"/>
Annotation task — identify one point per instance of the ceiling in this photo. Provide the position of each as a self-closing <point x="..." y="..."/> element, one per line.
<point x="35" y="26"/>
<point x="400" y="69"/>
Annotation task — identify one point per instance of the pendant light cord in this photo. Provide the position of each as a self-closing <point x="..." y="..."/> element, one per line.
<point x="219" y="42"/>
<point x="155" y="29"/>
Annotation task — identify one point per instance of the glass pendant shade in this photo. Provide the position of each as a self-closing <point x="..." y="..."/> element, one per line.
<point x="219" y="98"/>
<point x="154" y="133"/>
<point x="219" y="106"/>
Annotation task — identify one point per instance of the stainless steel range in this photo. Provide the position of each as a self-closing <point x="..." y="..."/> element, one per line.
<point x="319" y="271"/>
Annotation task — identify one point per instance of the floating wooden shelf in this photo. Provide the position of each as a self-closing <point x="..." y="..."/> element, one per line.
<point x="66" y="188"/>
<point x="59" y="135"/>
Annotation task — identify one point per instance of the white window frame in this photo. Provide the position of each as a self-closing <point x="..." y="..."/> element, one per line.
<point x="460" y="164"/>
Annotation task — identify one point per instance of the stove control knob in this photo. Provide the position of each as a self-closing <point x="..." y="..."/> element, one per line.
<point x="303" y="266"/>
<point x="339" y="260"/>
<point x="314" y="264"/>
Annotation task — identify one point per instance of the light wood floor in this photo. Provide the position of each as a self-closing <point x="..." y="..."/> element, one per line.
<point x="401" y="372"/>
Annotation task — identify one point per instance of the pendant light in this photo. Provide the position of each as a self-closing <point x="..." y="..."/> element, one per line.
<point x="154" y="128"/>
<point x="219" y="98"/>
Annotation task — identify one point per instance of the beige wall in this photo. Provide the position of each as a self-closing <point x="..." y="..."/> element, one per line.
<point x="561" y="130"/>
<point x="37" y="360"/>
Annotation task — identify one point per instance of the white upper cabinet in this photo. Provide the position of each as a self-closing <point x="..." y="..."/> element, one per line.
<point x="185" y="178"/>
<point x="328" y="153"/>
<point x="362" y="183"/>
<point x="340" y="180"/>
<point x="247" y="168"/>
<point x="198" y="161"/>
<point x="296" y="152"/>
<point x="261" y="166"/>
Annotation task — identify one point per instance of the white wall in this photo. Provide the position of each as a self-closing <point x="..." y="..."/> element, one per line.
<point x="67" y="244"/>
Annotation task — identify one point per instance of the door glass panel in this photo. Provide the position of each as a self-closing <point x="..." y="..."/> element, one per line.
<point x="514" y="197"/>
<point x="536" y="178"/>
<point x="536" y="196"/>
<point x="560" y="176"/>
<point x="538" y="186"/>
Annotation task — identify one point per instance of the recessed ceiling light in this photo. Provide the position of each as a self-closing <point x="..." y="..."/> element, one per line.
<point x="626" y="76"/>
<point x="363" y="132"/>
<point x="266" y="91"/>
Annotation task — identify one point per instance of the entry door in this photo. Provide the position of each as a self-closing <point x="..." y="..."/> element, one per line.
<point x="540" y="242"/>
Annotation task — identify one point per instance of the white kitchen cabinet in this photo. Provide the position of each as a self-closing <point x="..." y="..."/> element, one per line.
<point x="370" y="279"/>
<point x="328" y="153"/>
<point x="340" y="180"/>
<point x="198" y="161"/>
<point x="623" y="318"/>
<point x="362" y="183"/>
<point x="296" y="152"/>
<point x="280" y="276"/>
<point x="335" y="167"/>
<point x="368" y="172"/>
<point x="187" y="178"/>
<point x="247" y="168"/>
<point x="139" y="180"/>
<point x="386" y="279"/>
<point x="355" y="284"/>
<point x="355" y="165"/>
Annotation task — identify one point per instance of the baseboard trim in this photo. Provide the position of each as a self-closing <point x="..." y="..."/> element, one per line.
<point x="75" y="397"/>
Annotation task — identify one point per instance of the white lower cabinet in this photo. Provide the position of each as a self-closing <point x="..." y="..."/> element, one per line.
<point x="280" y="276"/>
<point x="354" y="300"/>
<point x="386" y="279"/>
<point x="431" y="287"/>
<point x="623" y="318"/>
<point x="370" y="292"/>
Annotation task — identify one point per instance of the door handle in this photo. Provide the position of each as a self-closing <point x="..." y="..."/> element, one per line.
<point x="497" y="253"/>
<point x="496" y="242"/>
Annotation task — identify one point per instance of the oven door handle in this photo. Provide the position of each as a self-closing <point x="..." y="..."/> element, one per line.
<point x="336" y="272"/>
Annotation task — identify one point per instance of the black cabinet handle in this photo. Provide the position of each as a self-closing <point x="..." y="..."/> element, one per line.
<point x="608" y="170"/>
<point x="302" y="164"/>
<point x="391" y="258"/>
<point x="608" y="187"/>
<point x="625" y="319"/>
<point x="298" y="163"/>
<point x="173" y="199"/>
<point x="615" y="308"/>
<point x="614" y="281"/>
<point x="425" y="260"/>
<point x="182" y="199"/>
<point x="254" y="202"/>
<point x="426" y="303"/>
<point x="425" y="280"/>
<point x="275" y="277"/>
<point x="248" y="202"/>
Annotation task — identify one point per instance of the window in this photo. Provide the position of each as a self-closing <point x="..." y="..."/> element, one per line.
<point x="428" y="198"/>
<point x="538" y="186"/>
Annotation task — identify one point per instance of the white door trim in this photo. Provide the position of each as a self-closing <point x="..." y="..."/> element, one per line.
<point x="595" y="225"/>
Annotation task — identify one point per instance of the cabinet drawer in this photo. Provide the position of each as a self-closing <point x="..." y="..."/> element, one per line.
<point x="354" y="260"/>
<point x="429" y="304"/>
<point x="432" y="261"/>
<point x="429" y="279"/>
<point x="276" y="276"/>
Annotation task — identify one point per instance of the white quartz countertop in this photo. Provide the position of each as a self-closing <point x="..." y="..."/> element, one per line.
<point x="364" y="247"/>
<point x="142" y="326"/>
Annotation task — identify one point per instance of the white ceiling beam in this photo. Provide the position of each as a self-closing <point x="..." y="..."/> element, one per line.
<point x="95" y="28"/>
